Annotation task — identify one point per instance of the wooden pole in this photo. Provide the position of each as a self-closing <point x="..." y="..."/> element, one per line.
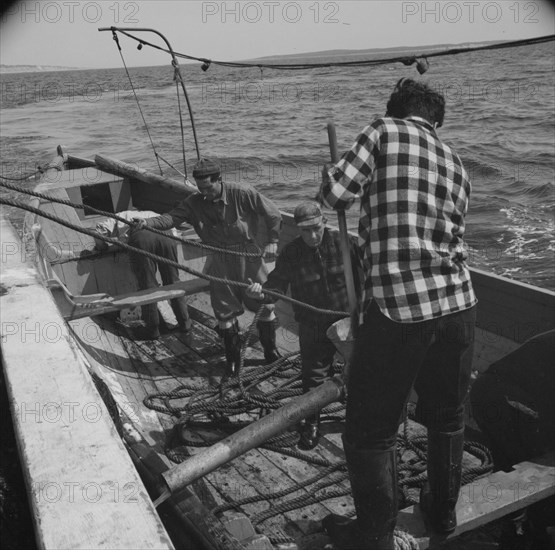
<point x="344" y="239"/>
<point x="126" y="170"/>
<point x="251" y="436"/>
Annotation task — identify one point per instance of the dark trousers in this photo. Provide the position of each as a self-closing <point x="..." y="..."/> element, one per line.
<point x="317" y="352"/>
<point x="390" y="358"/>
<point x="145" y="270"/>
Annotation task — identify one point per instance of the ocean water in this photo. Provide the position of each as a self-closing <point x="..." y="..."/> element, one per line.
<point x="268" y="128"/>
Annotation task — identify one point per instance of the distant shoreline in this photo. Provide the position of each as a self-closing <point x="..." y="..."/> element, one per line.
<point x="305" y="57"/>
<point x="8" y="69"/>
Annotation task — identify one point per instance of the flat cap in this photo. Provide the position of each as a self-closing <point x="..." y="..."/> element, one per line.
<point x="204" y="168"/>
<point x="307" y="213"/>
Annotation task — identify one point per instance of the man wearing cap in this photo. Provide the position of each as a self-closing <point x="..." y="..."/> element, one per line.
<point x="227" y="215"/>
<point x="419" y="311"/>
<point x="311" y="266"/>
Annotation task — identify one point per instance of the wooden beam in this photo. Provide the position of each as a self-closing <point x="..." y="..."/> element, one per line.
<point x="488" y="499"/>
<point x="127" y="170"/>
<point x="253" y="435"/>
<point x="82" y="486"/>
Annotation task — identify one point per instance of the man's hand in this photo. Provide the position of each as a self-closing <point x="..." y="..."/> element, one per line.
<point x="460" y="254"/>
<point x="254" y="291"/>
<point x="99" y="243"/>
<point x="326" y="171"/>
<point x="138" y="223"/>
<point x="325" y="180"/>
<point x="270" y="252"/>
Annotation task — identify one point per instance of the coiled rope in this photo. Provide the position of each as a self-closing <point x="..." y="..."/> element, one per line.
<point x="203" y="403"/>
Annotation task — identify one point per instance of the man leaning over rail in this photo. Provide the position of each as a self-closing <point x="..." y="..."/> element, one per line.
<point x="312" y="267"/>
<point x="418" y="311"/>
<point x="145" y="268"/>
<point x="227" y="215"/>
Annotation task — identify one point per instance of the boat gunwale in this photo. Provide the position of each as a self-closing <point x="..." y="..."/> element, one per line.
<point x="543" y="298"/>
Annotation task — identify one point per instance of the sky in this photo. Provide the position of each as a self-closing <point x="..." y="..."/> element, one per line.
<point x="65" y="33"/>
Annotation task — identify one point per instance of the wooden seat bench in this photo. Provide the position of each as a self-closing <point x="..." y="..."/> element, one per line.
<point x="488" y="499"/>
<point x="89" y="305"/>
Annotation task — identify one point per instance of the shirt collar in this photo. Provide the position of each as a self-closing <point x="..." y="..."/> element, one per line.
<point x="421" y="121"/>
<point x="223" y="196"/>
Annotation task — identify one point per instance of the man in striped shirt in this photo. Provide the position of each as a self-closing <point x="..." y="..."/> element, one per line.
<point x="418" y="311"/>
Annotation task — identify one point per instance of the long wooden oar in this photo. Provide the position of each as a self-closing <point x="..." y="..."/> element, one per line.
<point x="344" y="240"/>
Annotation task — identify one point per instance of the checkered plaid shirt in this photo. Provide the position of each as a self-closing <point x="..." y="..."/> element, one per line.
<point x="315" y="276"/>
<point x="414" y="196"/>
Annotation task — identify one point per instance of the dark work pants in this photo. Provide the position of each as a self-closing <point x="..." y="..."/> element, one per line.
<point x="145" y="270"/>
<point x="389" y="358"/>
<point x="317" y="352"/>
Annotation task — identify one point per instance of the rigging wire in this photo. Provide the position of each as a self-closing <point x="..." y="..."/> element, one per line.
<point x="405" y="59"/>
<point x="116" y="40"/>
<point x="177" y="77"/>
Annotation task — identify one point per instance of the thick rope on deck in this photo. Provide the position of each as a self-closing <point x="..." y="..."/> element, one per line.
<point x="404" y="541"/>
<point x="316" y="490"/>
<point x="238" y="398"/>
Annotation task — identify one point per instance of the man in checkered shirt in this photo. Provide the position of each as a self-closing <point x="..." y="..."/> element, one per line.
<point x="418" y="311"/>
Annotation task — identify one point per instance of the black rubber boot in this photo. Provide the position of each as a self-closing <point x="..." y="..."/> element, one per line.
<point x="309" y="433"/>
<point x="438" y="497"/>
<point x="373" y="476"/>
<point x="267" y="335"/>
<point x="232" y="345"/>
<point x="149" y="332"/>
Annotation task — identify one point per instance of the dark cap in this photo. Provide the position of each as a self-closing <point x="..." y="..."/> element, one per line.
<point x="308" y="213"/>
<point x="205" y="168"/>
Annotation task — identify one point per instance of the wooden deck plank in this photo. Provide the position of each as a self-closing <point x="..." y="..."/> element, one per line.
<point x="195" y="368"/>
<point x="112" y="361"/>
<point x="107" y="500"/>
